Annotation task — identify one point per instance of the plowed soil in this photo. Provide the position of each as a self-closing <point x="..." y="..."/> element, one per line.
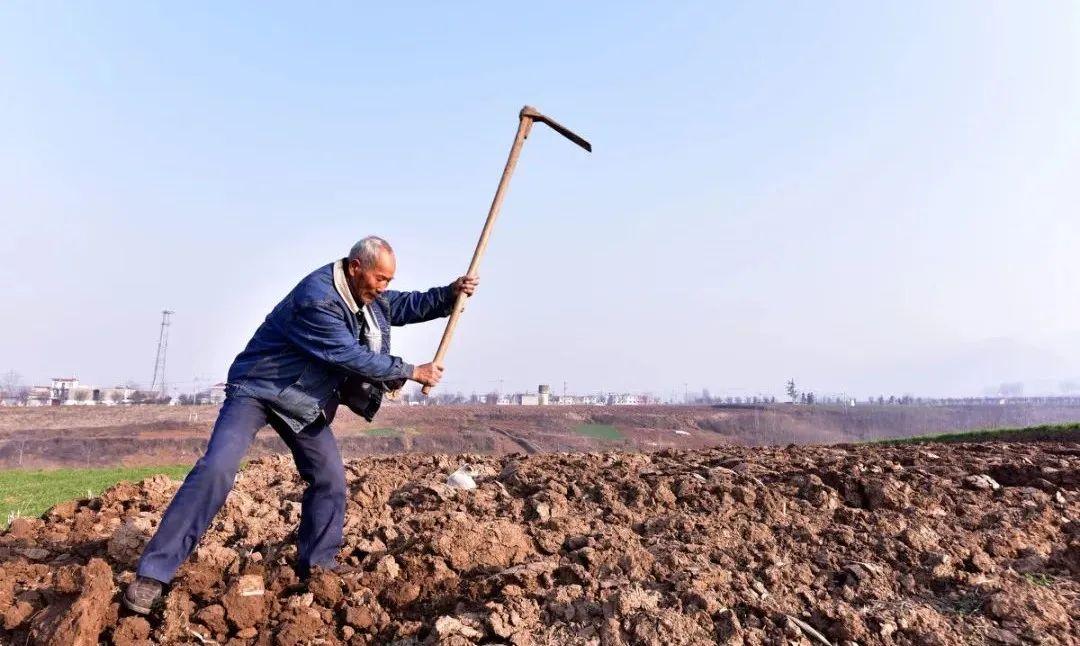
<point x="917" y="544"/>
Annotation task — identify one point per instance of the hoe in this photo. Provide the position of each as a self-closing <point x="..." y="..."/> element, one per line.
<point x="528" y="116"/>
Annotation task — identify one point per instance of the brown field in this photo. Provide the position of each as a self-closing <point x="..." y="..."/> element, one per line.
<point x="137" y="435"/>
<point x="863" y="544"/>
<point x="146" y="435"/>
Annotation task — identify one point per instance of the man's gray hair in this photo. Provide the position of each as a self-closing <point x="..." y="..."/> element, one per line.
<point x="367" y="251"/>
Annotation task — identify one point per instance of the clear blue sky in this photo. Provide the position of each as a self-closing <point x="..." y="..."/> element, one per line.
<point x="867" y="197"/>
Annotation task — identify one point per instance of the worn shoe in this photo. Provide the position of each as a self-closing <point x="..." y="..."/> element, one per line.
<point x="343" y="569"/>
<point x="340" y="569"/>
<point x="142" y="595"/>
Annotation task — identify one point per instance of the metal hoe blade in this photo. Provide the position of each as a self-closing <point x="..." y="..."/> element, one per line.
<point x="535" y="115"/>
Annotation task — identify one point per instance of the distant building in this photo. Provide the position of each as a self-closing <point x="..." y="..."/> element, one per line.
<point x="529" y="400"/>
<point x="217" y="393"/>
<point x="39" y="396"/>
<point x="114" y="396"/>
<point x="62" y="389"/>
<point x="544" y="394"/>
<point x="69" y="391"/>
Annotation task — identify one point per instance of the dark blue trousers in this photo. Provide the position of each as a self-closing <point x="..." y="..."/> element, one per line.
<point x="317" y="458"/>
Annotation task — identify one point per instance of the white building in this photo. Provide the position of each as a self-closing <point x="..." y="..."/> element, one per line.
<point x="216" y="394"/>
<point x="67" y="391"/>
<point x="39" y="396"/>
<point x="62" y="390"/>
<point x="114" y="396"/>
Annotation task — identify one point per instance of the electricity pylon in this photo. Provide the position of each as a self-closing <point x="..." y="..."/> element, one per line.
<point x="158" y="383"/>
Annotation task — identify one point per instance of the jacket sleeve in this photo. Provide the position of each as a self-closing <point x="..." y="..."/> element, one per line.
<point x="417" y="307"/>
<point x="319" y="330"/>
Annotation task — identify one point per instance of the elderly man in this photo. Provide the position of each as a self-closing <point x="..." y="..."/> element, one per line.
<point x="327" y="342"/>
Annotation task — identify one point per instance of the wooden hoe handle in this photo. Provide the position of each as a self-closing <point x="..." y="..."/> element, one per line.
<point x="524" y="125"/>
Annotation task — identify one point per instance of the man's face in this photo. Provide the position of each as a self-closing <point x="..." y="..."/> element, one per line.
<point x="367" y="283"/>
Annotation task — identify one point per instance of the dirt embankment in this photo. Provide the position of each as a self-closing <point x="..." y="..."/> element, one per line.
<point x="142" y="435"/>
<point x="917" y="544"/>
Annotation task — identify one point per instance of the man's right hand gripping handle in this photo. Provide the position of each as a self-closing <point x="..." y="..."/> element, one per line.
<point x="428" y="374"/>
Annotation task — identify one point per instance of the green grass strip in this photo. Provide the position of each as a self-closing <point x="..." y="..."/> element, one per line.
<point x="382" y="432"/>
<point x="599" y="431"/>
<point x="30" y="493"/>
<point x="1065" y="432"/>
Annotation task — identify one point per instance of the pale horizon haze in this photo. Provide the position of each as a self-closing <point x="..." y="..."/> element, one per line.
<point x="869" y="198"/>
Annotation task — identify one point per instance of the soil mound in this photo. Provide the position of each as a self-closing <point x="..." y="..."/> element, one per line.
<point x="916" y="544"/>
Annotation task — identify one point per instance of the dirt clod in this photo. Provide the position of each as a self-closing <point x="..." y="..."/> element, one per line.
<point x="132" y="631"/>
<point x="245" y="601"/>
<point x="79" y="620"/>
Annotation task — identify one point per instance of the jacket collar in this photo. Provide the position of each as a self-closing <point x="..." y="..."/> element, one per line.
<point x="341" y="284"/>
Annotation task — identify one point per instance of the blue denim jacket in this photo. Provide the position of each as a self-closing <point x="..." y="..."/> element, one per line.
<point x="301" y="355"/>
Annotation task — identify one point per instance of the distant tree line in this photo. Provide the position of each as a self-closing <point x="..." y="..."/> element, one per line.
<point x="735" y="401"/>
<point x="13" y="389"/>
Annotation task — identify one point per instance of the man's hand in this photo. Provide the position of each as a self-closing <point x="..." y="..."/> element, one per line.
<point x="465" y="284"/>
<point x="428" y="374"/>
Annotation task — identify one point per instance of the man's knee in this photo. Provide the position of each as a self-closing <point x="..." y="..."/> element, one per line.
<point x="336" y="479"/>
<point x="217" y="470"/>
<point x="330" y="479"/>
